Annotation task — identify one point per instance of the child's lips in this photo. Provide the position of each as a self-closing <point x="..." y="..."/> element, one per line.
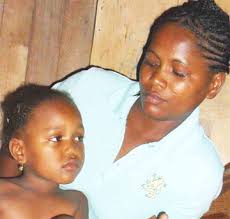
<point x="72" y="165"/>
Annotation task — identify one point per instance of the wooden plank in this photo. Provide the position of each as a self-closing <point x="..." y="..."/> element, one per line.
<point x="1" y="92"/>
<point x="121" y="31"/>
<point x="1" y="12"/>
<point x="45" y="41"/>
<point x="224" y="4"/>
<point x="14" y="40"/>
<point x="77" y="35"/>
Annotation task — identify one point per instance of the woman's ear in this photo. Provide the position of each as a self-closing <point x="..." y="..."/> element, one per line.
<point x="17" y="150"/>
<point x="217" y="82"/>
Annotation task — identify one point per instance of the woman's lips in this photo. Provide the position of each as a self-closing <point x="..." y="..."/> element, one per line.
<point x="153" y="98"/>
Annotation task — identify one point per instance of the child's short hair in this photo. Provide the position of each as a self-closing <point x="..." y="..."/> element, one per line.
<point x="18" y="105"/>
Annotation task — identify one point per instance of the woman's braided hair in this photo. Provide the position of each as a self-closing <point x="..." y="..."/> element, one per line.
<point x="209" y="23"/>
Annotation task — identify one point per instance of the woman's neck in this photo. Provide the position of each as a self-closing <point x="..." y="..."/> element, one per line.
<point x="142" y="129"/>
<point x="147" y="128"/>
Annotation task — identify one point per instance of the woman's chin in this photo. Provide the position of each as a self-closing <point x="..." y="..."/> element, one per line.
<point x="154" y="112"/>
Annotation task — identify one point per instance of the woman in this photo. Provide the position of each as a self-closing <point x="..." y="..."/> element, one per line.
<point x="145" y="150"/>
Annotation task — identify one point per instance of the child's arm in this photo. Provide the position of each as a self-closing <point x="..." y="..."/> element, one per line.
<point x="82" y="210"/>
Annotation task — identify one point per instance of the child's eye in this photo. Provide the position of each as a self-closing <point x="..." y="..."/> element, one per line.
<point x="79" y="138"/>
<point x="56" y="138"/>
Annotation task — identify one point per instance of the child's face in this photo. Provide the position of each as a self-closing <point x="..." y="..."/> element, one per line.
<point x="53" y="142"/>
<point x="174" y="75"/>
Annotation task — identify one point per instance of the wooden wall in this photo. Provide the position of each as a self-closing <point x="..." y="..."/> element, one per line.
<point x="44" y="40"/>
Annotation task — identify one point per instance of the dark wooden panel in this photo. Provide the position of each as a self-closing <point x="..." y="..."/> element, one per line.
<point x="121" y="31"/>
<point x="16" y="22"/>
<point x="1" y="10"/>
<point x="77" y="35"/>
<point x="45" y="41"/>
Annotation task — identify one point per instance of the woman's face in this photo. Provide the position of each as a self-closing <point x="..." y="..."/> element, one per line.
<point x="174" y="76"/>
<point x="53" y="142"/>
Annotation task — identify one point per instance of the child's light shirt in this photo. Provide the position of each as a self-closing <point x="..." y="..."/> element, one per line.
<point x="180" y="174"/>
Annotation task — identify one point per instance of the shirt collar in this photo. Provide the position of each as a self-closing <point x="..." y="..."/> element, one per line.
<point x="184" y="130"/>
<point x="123" y="99"/>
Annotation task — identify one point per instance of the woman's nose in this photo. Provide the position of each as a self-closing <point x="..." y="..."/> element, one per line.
<point x="159" y="79"/>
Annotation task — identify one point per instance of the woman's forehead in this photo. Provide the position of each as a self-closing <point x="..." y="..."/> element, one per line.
<point x="175" y="39"/>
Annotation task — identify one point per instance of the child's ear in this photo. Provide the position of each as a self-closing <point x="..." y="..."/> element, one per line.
<point x="17" y="150"/>
<point x="217" y="82"/>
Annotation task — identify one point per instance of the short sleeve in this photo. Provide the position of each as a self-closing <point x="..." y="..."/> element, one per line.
<point x="196" y="191"/>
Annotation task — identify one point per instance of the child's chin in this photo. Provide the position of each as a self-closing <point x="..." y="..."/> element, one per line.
<point x="67" y="181"/>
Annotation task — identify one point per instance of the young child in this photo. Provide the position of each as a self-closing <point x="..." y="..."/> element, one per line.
<point x="43" y="132"/>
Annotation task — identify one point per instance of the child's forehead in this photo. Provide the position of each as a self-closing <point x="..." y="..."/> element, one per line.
<point x="51" y="107"/>
<point x="54" y="115"/>
<point x="56" y="101"/>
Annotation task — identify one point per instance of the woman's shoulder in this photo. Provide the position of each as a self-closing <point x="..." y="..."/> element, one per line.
<point x="92" y="77"/>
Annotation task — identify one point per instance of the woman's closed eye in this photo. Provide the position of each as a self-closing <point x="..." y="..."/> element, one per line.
<point x="152" y="64"/>
<point x="151" y="59"/>
<point x="179" y="69"/>
<point x="179" y="74"/>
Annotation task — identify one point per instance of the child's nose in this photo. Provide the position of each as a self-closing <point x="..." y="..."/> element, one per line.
<point x="74" y="149"/>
